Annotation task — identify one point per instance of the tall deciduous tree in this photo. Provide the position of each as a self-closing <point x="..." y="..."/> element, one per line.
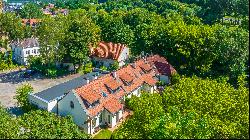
<point x="81" y="33"/>
<point x="11" y="25"/>
<point x="31" y="10"/>
<point x="22" y="96"/>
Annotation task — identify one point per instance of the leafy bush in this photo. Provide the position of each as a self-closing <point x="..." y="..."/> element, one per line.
<point x="114" y="66"/>
<point x="51" y="72"/>
<point x="87" y="68"/>
<point x="22" y="97"/>
<point x="103" y="68"/>
<point x="175" y="78"/>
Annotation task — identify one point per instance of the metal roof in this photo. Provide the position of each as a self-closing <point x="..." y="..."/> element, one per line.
<point x="60" y="89"/>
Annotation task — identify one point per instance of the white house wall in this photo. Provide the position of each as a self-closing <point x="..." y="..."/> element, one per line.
<point x="136" y="92"/>
<point x="120" y="114"/>
<point x="52" y="106"/>
<point x="124" y="55"/>
<point x="20" y="55"/>
<point x="38" y="102"/>
<point x="92" y="128"/>
<point x="113" y="121"/>
<point x="78" y="113"/>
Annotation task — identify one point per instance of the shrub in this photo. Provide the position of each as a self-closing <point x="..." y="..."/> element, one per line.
<point x="103" y="68"/>
<point x="22" y="97"/>
<point x="52" y="72"/>
<point x="175" y="78"/>
<point x="114" y="66"/>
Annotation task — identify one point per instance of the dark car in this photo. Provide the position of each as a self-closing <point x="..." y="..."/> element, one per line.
<point x="28" y="73"/>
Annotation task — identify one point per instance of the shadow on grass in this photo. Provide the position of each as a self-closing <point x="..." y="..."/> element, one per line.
<point x="16" y="111"/>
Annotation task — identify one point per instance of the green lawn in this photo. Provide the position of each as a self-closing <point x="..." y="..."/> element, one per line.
<point x="103" y="134"/>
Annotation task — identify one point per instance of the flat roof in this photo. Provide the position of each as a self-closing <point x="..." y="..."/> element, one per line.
<point x="60" y="89"/>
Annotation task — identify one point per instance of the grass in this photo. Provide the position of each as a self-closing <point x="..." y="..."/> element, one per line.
<point x="103" y="134"/>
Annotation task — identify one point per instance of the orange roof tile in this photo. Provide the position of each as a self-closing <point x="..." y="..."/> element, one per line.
<point x="127" y="77"/>
<point x="112" y="105"/>
<point x="113" y="84"/>
<point x="145" y="67"/>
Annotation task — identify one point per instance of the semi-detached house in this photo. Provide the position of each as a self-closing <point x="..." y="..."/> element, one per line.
<point x="102" y="100"/>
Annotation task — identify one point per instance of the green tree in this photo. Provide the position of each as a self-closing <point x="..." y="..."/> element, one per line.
<point x="144" y="121"/>
<point x="8" y="127"/>
<point x="223" y="106"/>
<point x="22" y="97"/>
<point x="82" y="33"/>
<point x="114" y="66"/>
<point x="42" y="124"/>
<point x="113" y="28"/>
<point x="11" y="25"/>
<point x="51" y="33"/>
<point x="31" y="10"/>
<point x="193" y="108"/>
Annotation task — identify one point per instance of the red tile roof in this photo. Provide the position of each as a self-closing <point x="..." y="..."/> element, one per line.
<point x="112" y="105"/>
<point x="107" y="50"/>
<point x="161" y="64"/>
<point x="127" y="77"/>
<point x="113" y="84"/>
<point x="130" y="73"/>
<point x="146" y="67"/>
<point x="30" y="21"/>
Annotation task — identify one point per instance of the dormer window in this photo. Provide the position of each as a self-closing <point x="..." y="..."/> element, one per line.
<point x="95" y="103"/>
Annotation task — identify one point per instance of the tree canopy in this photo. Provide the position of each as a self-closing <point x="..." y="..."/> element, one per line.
<point x="193" y="108"/>
<point x="38" y="124"/>
<point x="31" y="10"/>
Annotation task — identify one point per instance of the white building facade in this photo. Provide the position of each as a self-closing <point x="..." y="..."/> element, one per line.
<point x="24" y="49"/>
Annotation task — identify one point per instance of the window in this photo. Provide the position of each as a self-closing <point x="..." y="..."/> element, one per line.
<point x="109" y="119"/>
<point x="34" y="51"/>
<point x="37" y="50"/>
<point x="71" y="104"/>
<point x="28" y="52"/>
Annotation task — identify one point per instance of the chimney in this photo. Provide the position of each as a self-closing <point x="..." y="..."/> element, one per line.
<point x="114" y="74"/>
<point x="95" y="76"/>
<point x="87" y="80"/>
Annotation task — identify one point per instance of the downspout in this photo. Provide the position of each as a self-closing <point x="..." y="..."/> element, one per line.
<point x="90" y="126"/>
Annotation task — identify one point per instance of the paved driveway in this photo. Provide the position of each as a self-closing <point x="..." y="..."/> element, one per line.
<point x="10" y="81"/>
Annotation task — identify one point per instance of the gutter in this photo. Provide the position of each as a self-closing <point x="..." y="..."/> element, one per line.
<point x="39" y="98"/>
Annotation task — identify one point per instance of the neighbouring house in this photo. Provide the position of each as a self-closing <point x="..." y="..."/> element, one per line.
<point x="50" y="10"/>
<point x="163" y="69"/>
<point x="101" y="101"/>
<point x="48" y="99"/>
<point x="105" y="54"/>
<point x="31" y="22"/>
<point x="25" y="48"/>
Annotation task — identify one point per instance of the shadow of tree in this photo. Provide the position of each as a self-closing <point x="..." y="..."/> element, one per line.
<point x="17" y="77"/>
<point x="16" y="111"/>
